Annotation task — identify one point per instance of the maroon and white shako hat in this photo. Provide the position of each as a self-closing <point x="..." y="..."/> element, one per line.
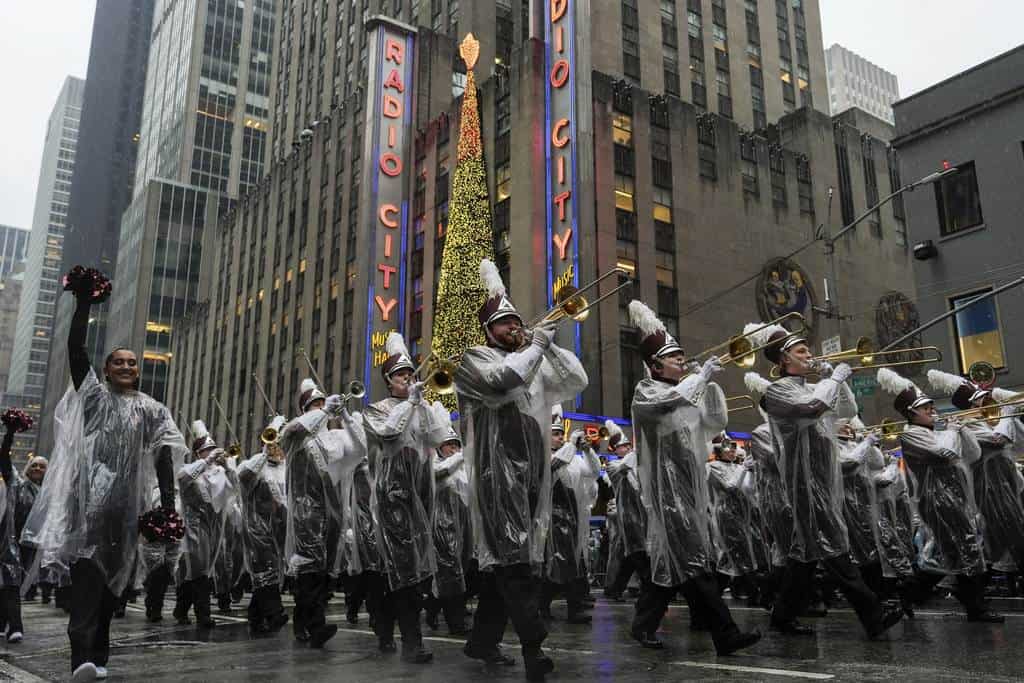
<point x="962" y="391"/>
<point x="398" y="358"/>
<point x="497" y="305"/>
<point x="557" y="418"/>
<point x="655" y="341"/>
<point x="775" y="339"/>
<point x="908" y="396"/>
<point x="309" y="392"/>
<point x="201" y="439"/>
<point x="616" y="437"/>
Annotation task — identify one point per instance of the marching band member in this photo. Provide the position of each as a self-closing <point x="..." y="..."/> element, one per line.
<point x="895" y="533"/>
<point x="32" y="480"/>
<point x="453" y="543"/>
<point x="312" y="453"/>
<point x="264" y="498"/>
<point x="206" y="493"/>
<point x="11" y="571"/>
<point x="998" y="488"/>
<point x="802" y="419"/>
<point x="572" y="478"/>
<point x="402" y="431"/>
<point x="506" y="390"/>
<point x="627" y="520"/>
<point x="942" y="491"/>
<point x="675" y="414"/>
<point x="229" y="570"/>
<point x="358" y="556"/>
<point x="860" y="460"/>
<point x="112" y="441"/>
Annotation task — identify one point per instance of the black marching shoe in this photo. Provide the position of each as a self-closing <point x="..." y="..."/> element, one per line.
<point x="792" y="628"/>
<point x="154" y="616"/>
<point x="986" y="617"/>
<point x="579" y="618"/>
<point x="352" y="617"/>
<point x="387" y="647"/>
<point x="736" y="641"/>
<point x="648" y="640"/>
<point x="537" y="665"/>
<point x="891" y="616"/>
<point x="277" y="622"/>
<point x="492" y="656"/>
<point x="322" y="634"/>
<point x="416" y="655"/>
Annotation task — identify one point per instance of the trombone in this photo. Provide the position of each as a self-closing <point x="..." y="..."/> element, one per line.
<point x="991" y="412"/>
<point x="741" y="349"/>
<point x="570" y="302"/>
<point x="235" y="449"/>
<point x="749" y="405"/>
<point x="870" y="359"/>
<point x="888" y="430"/>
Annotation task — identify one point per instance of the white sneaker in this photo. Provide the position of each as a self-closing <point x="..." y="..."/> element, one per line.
<point x="85" y="673"/>
<point x="14" y="637"/>
<point x="101" y="673"/>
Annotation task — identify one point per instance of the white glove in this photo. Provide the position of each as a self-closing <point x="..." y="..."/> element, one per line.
<point x="842" y="373"/>
<point x="416" y="392"/>
<point x="333" y="405"/>
<point x="825" y="368"/>
<point x="576" y="437"/>
<point x="711" y="367"/>
<point x="749" y="464"/>
<point x="871" y="439"/>
<point x="612" y="508"/>
<point x="544" y="334"/>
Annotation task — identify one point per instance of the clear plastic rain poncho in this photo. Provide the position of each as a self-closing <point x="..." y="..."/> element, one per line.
<point x="313" y="464"/>
<point x="154" y="554"/>
<point x="628" y="528"/>
<point x="895" y="535"/>
<point x="673" y="425"/>
<point x="357" y="537"/>
<point x="731" y="493"/>
<point x="997" y="487"/>
<point x="11" y="573"/>
<point x="261" y="483"/>
<point x="102" y="470"/>
<point x="572" y="479"/>
<point x="206" y="492"/>
<point x="505" y="401"/>
<point x="860" y="461"/>
<point x="943" y="494"/>
<point x="802" y="417"/>
<point x="452" y="538"/>
<point x="401" y="436"/>
<point x="772" y="499"/>
<point x="231" y="558"/>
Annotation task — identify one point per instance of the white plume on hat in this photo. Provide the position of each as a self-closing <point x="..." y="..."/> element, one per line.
<point x="1002" y="395"/>
<point x="277" y="423"/>
<point x="763" y="333"/>
<point x="395" y="345"/>
<point x="614" y="429"/>
<point x="756" y="383"/>
<point x="557" y="420"/>
<point x="491" y="279"/>
<point x="199" y="430"/>
<point x="644" y="318"/>
<point x="945" y="382"/>
<point x="892" y="382"/>
<point x="857" y="423"/>
<point x="307" y="385"/>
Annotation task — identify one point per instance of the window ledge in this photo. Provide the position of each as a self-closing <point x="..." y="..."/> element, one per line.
<point x="962" y="233"/>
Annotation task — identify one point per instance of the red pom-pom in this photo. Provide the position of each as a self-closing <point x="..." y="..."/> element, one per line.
<point x="161" y="525"/>
<point x="87" y="281"/>
<point x="16" y="420"/>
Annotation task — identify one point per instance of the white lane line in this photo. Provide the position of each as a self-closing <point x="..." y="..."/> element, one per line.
<point x="835" y="610"/>
<point x="462" y="641"/>
<point x="216" y="617"/>
<point x="9" y="672"/>
<point x="758" y="670"/>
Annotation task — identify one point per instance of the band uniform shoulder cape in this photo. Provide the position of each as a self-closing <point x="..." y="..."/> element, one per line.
<point x="859" y="462"/>
<point x="312" y="456"/>
<point x="997" y="487"/>
<point x="453" y="541"/>
<point x="802" y="418"/>
<point x="265" y="508"/>
<point x="103" y="468"/>
<point x="673" y="425"/>
<point x="505" y="401"/>
<point x="895" y="535"/>
<point x="572" y="479"/>
<point x="400" y="438"/>
<point x="206" y="493"/>
<point x="941" y="489"/>
<point x="772" y="498"/>
<point x="629" y="526"/>
<point x="731" y="493"/>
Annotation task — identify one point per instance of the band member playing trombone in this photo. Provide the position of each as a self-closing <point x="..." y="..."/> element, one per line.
<point x="675" y="415"/>
<point x="939" y="463"/>
<point x="506" y="390"/>
<point x="627" y="520"/>
<point x="997" y="484"/>
<point x="802" y="418"/>
<point x="402" y="431"/>
<point x="264" y="498"/>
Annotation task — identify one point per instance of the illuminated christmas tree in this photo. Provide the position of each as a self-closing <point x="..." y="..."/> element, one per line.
<point x="459" y="291"/>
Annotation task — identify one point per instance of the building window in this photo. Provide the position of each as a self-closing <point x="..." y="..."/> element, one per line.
<point x="977" y="332"/>
<point x="622" y="129"/>
<point x="624" y="190"/>
<point x="958" y="201"/>
<point x="630" y="40"/>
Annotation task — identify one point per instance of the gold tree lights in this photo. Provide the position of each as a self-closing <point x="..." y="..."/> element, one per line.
<point x="469" y="235"/>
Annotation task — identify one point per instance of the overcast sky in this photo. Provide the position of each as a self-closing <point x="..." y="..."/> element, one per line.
<point x="42" y="41"/>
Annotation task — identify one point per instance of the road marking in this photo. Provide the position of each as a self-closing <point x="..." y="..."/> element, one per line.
<point x="462" y="641"/>
<point x="9" y="672"/>
<point x="758" y="670"/>
<point x="222" y="617"/>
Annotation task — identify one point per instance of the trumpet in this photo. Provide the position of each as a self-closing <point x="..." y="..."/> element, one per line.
<point x="439" y="373"/>
<point x="741" y="350"/>
<point x="268" y="436"/>
<point x="750" y="403"/>
<point x="570" y="302"/>
<point x="871" y="359"/>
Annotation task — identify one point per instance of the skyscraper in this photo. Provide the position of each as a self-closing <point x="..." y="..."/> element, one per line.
<point x="203" y="139"/>
<point x="855" y="82"/>
<point x="13" y="247"/>
<point x="10" y="295"/>
<point x="101" y="187"/>
<point x="27" y="378"/>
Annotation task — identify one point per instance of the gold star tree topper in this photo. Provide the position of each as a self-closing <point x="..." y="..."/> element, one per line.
<point x="470" y="50"/>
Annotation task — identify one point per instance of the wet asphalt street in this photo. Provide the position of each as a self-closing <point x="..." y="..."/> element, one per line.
<point x="938" y="646"/>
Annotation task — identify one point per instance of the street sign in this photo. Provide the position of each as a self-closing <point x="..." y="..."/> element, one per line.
<point x="863" y="385"/>
<point x="831" y="345"/>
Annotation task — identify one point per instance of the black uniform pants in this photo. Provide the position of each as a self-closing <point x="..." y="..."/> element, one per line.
<point x="630" y="564"/>
<point x="310" y="602"/>
<point x="573" y="592"/>
<point x="969" y="590"/>
<point x="10" y="602"/>
<point x="401" y="606"/>
<point x="194" y="593"/>
<point x="92" y="607"/>
<point x="265" y="603"/>
<point x="701" y="593"/>
<point x="508" y="593"/>
<point x="156" y="586"/>
<point x="794" y="596"/>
